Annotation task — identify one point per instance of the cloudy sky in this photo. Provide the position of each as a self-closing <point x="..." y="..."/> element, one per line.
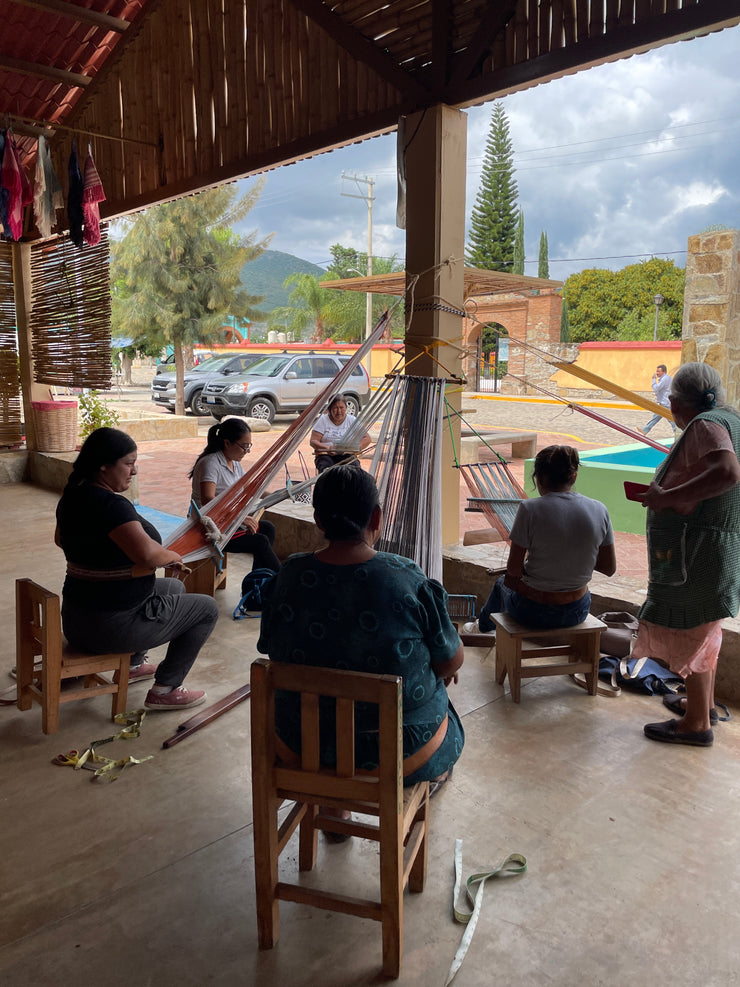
<point x="616" y="164"/>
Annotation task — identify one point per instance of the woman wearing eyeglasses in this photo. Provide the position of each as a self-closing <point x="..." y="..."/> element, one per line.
<point x="215" y="470"/>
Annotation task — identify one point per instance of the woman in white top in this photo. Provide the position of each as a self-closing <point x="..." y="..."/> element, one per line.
<point x="215" y="470"/>
<point x="329" y="432"/>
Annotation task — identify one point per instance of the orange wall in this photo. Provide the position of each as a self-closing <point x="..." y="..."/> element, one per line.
<point x="630" y="364"/>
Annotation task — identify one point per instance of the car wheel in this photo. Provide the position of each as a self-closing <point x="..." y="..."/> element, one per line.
<point x="261" y="408"/>
<point x="198" y="405"/>
<point x="353" y="404"/>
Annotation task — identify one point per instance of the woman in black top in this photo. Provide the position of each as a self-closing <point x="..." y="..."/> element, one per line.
<point x="111" y="600"/>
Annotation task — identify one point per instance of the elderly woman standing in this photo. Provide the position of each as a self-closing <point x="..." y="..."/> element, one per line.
<point x="693" y="533"/>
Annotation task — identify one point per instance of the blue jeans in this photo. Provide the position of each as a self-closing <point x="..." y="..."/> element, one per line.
<point x="654" y="421"/>
<point x="528" y="612"/>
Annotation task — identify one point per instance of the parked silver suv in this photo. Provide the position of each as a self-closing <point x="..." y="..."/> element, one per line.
<point x="221" y="367"/>
<point x="283" y="383"/>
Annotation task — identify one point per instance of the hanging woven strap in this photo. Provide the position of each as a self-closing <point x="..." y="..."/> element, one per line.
<point x="515" y="863"/>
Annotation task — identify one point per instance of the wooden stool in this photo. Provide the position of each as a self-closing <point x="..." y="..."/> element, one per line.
<point x="515" y="644"/>
<point x="38" y="625"/>
<point x="204" y="578"/>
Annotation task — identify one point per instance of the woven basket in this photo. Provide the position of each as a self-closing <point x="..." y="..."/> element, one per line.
<point x="56" y="425"/>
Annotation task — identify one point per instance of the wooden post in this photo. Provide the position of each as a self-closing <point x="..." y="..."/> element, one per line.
<point x="23" y="290"/>
<point x="436" y="142"/>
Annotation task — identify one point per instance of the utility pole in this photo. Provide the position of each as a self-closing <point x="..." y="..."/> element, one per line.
<point x="369" y="199"/>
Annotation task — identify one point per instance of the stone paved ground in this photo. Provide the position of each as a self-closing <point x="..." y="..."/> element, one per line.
<point x="163" y="482"/>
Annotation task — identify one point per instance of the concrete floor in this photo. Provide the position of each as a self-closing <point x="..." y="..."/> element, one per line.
<point x="634" y="869"/>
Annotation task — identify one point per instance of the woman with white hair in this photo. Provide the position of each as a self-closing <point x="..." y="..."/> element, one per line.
<point x="693" y="534"/>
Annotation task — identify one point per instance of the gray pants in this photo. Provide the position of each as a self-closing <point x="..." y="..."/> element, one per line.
<point x="170" y="614"/>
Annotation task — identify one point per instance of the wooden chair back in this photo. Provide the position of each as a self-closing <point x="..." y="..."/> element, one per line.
<point x="399" y="818"/>
<point x="38" y="625"/>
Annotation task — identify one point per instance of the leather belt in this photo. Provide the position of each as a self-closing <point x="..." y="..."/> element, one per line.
<point x="411" y="763"/>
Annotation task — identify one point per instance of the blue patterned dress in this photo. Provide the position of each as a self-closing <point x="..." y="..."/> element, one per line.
<point x="383" y="616"/>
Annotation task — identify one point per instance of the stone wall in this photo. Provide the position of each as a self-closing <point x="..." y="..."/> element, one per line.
<point x="711" y="314"/>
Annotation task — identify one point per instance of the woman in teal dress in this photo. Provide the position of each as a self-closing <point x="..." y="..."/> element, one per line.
<point x="693" y="533"/>
<point x="350" y="607"/>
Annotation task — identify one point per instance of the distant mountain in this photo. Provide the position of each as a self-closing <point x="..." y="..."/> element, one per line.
<point x="265" y="276"/>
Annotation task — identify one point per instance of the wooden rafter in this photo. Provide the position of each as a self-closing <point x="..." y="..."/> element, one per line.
<point x="82" y="14"/>
<point x="357" y="45"/>
<point x="495" y="20"/>
<point x="44" y="71"/>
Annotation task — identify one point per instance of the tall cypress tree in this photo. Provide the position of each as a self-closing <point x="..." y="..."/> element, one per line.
<point x="543" y="268"/>
<point x="518" y="265"/>
<point x="494" y="218"/>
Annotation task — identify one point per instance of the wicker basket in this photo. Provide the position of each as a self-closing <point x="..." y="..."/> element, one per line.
<point x="56" y="425"/>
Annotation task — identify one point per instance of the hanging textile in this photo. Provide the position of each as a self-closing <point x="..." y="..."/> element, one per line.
<point x="12" y="179"/>
<point x="4" y="194"/>
<point x="74" y="199"/>
<point x="47" y="190"/>
<point x="92" y="194"/>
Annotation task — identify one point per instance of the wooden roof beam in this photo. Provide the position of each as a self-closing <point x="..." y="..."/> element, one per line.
<point x="611" y="46"/>
<point x="496" y="18"/>
<point x="76" y="13"/>
<point x="44" y="71"/>
<point x="357" y="45"/>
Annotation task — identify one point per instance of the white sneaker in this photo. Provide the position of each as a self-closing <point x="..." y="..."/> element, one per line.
<point x="472" y="627"/>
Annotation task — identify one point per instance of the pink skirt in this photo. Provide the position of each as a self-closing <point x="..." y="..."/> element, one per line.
<point x="685" y="651"/>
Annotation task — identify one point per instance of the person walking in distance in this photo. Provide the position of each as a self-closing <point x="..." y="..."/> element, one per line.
<point x="661" y="389"/>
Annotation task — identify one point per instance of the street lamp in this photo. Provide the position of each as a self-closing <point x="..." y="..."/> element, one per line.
<point x="658" y="302"/>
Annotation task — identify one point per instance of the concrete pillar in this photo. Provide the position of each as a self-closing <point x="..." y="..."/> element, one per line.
<point x="435" y="251"/>
<point x="711" y="309"/>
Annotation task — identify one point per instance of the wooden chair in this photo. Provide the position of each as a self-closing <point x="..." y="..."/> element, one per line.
<point x="38" y="625"/>
<point x="516" y="644"/>
<point x="204" y="577"/>
<point x="402" y="814"/>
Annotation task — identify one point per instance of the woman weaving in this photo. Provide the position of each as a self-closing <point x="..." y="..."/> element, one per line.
<point x="348" y="606"/>
<point x="330" y="432"/>
<point x="557" y="540"/>
<point x="111" y="599"/>
<point x="215" y="470"/>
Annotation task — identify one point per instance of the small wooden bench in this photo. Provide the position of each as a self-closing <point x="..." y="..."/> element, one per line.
<point x="578" y="648"/>
<point x="523" y="445"/>
<point x="205" y="577"/>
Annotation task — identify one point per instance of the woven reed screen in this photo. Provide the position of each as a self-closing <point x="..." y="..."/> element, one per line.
<point x="10" y="391"/>
<point x="70" y="315"/>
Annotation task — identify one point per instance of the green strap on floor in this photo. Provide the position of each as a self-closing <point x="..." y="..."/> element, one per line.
<point x="515" y="863"/>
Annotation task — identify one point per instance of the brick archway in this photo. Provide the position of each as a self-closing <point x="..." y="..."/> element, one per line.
<point x="530" y="316"/>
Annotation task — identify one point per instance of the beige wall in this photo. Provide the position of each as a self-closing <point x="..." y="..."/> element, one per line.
<point x="630" y="364"/>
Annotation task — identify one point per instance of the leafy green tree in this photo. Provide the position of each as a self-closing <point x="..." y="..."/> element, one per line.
<point x="350" y="309"/>
<point x="599" y="300"/>
<point x="543" y="266"/>
<point x="494" y="218"/>
<point x="310" y="314"/>
<point x="177" y="271"/>
<point x="518" y="265"/>
<point x="564" y="323"/>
